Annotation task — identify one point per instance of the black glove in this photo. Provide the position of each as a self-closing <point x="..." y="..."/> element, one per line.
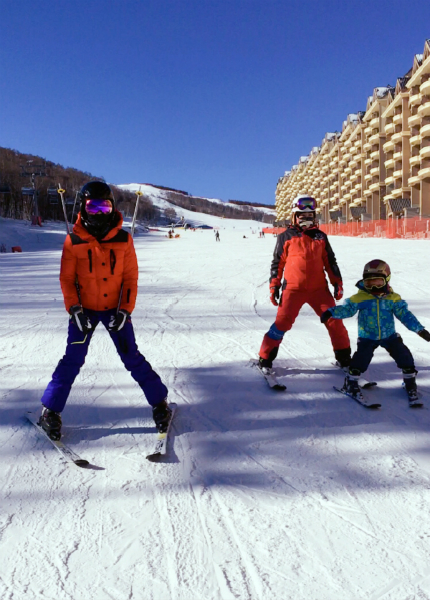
<point x="81" y="321"/>
<point x="424" y="334"/>
<point x="117" y="321"/>
<point x="326" y="316"/>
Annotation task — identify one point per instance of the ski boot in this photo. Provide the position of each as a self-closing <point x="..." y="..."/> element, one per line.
<point x="50" y="422"/>
<point x="411" y="386"/>
<point x="350" y="385"/>
<point x="161" y="414"/>
<point x="343" y="357"/>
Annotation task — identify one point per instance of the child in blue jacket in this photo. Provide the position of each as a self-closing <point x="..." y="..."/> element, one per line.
<point x="377" y="305"/>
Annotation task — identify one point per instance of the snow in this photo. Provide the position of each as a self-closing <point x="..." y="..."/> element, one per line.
<point x="263" y="496"/>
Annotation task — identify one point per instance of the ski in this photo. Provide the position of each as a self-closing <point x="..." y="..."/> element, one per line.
<point x="64" y="450"/>
<point x="362" y="382"/>
<point x="269" y="376"/>
<point x="160" y="448"/>
<point x="358" y="398"/>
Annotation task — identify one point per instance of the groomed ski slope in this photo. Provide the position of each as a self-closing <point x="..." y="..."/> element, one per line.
<point x="302" y="495"/>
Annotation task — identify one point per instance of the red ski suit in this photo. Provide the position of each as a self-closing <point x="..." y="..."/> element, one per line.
<point x="302" y="258"/>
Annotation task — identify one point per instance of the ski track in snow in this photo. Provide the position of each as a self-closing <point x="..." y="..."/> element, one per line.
<point x="263" y="495"/>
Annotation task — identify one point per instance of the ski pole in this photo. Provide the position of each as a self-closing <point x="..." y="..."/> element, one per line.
<point x="138" y="194"/>
<point x="62" y="192"/>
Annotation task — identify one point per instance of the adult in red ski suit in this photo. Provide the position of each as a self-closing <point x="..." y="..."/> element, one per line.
<point x="302" y="258"/>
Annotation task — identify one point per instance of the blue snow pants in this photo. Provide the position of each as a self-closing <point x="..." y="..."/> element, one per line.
<point x="58" y="390"/>
<point x="393" y="345"/>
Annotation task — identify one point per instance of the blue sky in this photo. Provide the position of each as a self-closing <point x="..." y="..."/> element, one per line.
<point x="218" y="98"/>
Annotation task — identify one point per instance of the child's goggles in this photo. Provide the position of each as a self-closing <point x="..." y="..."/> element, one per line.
<point x="306" y="203"/>
<point x="374" y="282"/>
<point x="96" y="206"/>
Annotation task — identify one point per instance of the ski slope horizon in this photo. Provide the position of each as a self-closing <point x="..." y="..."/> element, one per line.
<point x="301" y="495"/>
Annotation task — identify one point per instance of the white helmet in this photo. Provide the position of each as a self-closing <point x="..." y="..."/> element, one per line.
<point x="304" y="204"/>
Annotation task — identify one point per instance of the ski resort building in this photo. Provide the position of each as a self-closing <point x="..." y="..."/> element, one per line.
<point x="378" y="166"/>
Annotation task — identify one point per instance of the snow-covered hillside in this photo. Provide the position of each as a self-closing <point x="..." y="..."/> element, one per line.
<point x="301" y="495"/>
<point x="158" y="198"/>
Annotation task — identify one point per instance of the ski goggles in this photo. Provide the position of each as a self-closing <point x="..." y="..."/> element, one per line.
<point x="374" y="282"/>
<point x="306" y="203"/>
<point x="95" y="206"/>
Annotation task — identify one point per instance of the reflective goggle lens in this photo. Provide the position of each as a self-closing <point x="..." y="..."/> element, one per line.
<point x="309" y="203"/>
<point x="377" y="282"/>
<point x="95" y="206"/>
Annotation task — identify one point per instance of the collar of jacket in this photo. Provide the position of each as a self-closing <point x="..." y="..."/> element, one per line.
<point x="82" y="232"/>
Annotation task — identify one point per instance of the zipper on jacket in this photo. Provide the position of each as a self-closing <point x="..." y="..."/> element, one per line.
<point x="128" y="295"/>
<point x="377" y="315"/>
<point x="112" y="261"/>
<point x="90" y="258"/>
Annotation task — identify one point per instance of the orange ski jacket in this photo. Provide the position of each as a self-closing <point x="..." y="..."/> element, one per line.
<point x="99" y="268"/>
<point x="303" y="258"/>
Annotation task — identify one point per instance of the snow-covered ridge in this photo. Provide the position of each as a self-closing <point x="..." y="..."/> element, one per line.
<point x="159" y="197"/>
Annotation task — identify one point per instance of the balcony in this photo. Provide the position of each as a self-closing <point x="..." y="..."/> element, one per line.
<point x="368" y="130"/>
<point x="358" y="186"/>
<point x="425" y="88"/>
<point x="397" y="119"/>
<point x="367" y="177"/>
<point x="424" y="173"/>
<point x="374" y="122"/>
<point x="398" y="155"/>
<point x="389" y="180"/>
<point x="388" y="146"/>
<point x="414" y="180"/>
<point x="397" y="137"/>
<point x="415" y="99"/>
<point x="374" y="138"/>
<point x="425" y="131"/>
<point x="357" y="143"/>
<point x="358" y="171"/>
<point x="414" y="120"/>
<point x="424" y="153"/>
<point x="374" y="171"/>
<point x="374" y="187"/>
<point x="424" y="109"/>
<point x="389" y="164"/>
<point x="367" y="192"/>
<point x="367" y="146"/>
<point x="415" y="160"/>
<point x="389" y="128"/>
<point x="415" y="140"/>
<point x="375" y="155"/>
<point x="398" y="174"/>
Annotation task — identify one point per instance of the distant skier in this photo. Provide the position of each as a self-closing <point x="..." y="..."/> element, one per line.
<point x="98" y="262"/>
<point x="376" y="304"/>
<point x="301" y="258"/>
<point x="217" y="236"/>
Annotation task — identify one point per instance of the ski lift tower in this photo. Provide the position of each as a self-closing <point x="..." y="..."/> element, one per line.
<point x="31" y="170"/>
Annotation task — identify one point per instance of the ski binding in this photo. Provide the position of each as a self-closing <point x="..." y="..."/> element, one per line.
<point x="269" y="376"/>
<point x="358" y="398"/>
<point x="160" y="448"/>
<point x="362" y="382"/>
<point x="64" y="450"/>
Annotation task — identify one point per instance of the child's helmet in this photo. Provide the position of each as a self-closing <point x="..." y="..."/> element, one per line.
<point x="376" y="275"/>
<point x="303" y="204"/>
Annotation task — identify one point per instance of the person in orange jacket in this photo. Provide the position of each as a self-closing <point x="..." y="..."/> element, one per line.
<point x="302" y="258"/>
<point x="98" y="279"/>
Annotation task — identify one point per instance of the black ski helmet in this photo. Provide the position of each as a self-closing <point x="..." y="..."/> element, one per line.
<point x="99" y="224"/>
